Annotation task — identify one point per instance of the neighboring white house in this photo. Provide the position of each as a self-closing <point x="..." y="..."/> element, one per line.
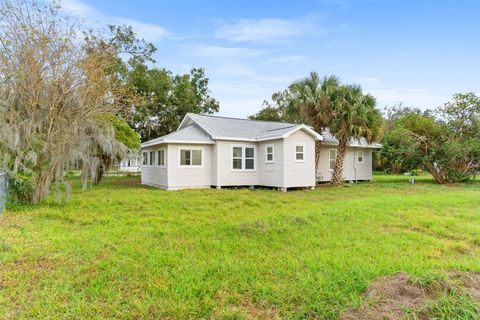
<point x="130" y="164"/>
<point x="208" y="151"/>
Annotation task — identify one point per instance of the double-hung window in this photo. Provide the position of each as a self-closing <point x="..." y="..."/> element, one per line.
<point x="332" y="155"/>
<point x="161" y="157"/>
<point x="145" y="158"/>
<point x="243" y="158"/>
<point x="299" y="152"/>
<point x="190" y="157"/>
<point x="269" y="153"/>
<point x="152" y="158"/>
<point x="360" y="156"/>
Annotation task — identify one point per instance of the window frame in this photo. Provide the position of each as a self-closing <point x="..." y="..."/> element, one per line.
<point x="151" y="158"/>
<point x="363" y="155"/>
<point x="164" y="157"/>
<point x="145" y="158"/>
<point x="180" y="165"/>
<point x="295" y="152"/>
<point x="267" y="153"/>
<point x="330" y="159"/>
<point x="244" y="157"/>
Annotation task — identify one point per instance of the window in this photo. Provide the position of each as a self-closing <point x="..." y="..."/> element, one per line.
<point x="332" y="157"/>
<point x="249" y="158"/>
<point x="189" y="157"/>
<point x="269" y="153"/>
<point x="152" y="158"/>
<point x="299" y="152"/>
<point x="144" y="159"/>
<point x="360" y="156"/>
<point x="243" y="158"/>
<point x="237" y="158"/>
<point x="161" y="157"/>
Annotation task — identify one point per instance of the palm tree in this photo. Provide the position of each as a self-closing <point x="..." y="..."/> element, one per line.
<point x="312" y="99"/>
<point x="354" y="116"/>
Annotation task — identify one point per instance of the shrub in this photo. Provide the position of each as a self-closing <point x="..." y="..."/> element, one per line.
<point x="417" y="172"/>
<point x="20" y="188"/>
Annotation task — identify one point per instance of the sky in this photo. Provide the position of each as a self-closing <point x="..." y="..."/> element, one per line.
<point x="418" y="53"/>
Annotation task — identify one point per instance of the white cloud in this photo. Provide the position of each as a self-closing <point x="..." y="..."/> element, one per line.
<point x="266" y="30"/>
<point x="219" y="52"/>
<point x="387" y="94"/>
<point x="94" y="18"/>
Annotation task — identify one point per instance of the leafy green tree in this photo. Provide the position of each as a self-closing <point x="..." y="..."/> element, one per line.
<point x="462" y="115"/>
<point x="153" y="100"/>
<point x="282" y="109"/>
<point x="268" y="113"/>
<point x="390" y="158"/>
<point x="447" y="146"/>
<point x="123" y="135"/>
<point x="166" y="98"/>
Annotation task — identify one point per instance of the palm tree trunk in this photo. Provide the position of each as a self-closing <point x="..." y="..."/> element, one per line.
<point x="318" y="145"/>
<point x="337" y="176"/>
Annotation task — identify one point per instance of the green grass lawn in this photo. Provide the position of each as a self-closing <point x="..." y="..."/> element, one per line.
<point x="121" y="250"/>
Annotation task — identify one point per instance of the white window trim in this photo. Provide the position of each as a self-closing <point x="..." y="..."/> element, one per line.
<point x="266" y="153"/>
<point x="243" y="146"/>
<point x="363" y="155"/>
<point x="330" y="150"/>
<point x="191" y="165"/>
<point x="164" y="157"/>
<point x="145" y="158"/>
<point x="295" y="152"/>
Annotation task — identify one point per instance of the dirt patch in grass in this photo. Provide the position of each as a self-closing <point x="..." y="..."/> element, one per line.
<point x="401" y="297"/>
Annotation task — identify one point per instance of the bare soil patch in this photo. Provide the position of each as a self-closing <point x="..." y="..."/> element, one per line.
<point x="395" y="297"/>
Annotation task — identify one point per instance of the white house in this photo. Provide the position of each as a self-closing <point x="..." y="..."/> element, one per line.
<point x="208" y="151"/>
<point x="130" y="164"/>
<point x="357" y="164"/>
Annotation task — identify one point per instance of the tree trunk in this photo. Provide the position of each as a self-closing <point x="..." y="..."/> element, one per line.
<point x="42" y="186"/>
<point x="337" y="176"/>
<point x="318" y="145"/>
<point x="104" y="165"/>
<point x="436" y="175"/>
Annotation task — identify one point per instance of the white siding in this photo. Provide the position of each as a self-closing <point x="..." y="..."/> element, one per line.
<point x="228" y="177"/>
<point x="352" y="170"/>
<point x="155" y="175"/>
<point x="180" y="177"/>
<point x="271" y="174"/>
<point x="299" y="174"/>
<point x="217" y="168"/>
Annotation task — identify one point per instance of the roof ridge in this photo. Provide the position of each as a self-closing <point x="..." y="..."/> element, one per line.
<point x="292" y="126"/>
<point x="241" y="119"/>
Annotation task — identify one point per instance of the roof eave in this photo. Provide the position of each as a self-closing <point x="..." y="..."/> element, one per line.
<point x="309" y="130"/>
<point x="146" y="145"/>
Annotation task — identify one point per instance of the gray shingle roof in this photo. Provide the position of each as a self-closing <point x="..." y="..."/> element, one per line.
<point x="329" y="139"/>
<point x="221" y="127"/>
<point x="199" y="128"/>
<point x="191" y="133"/>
